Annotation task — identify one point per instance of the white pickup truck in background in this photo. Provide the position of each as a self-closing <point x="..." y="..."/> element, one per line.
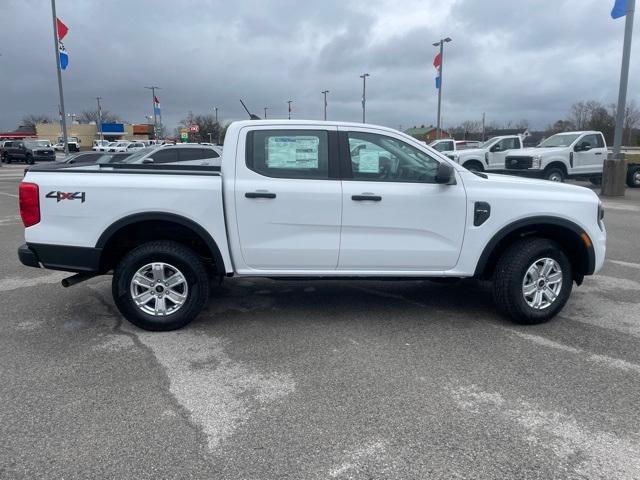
<point x="450" y="145"/>
<point x="490" y="156"/>
<point x="305" y="199"/>
<point x="562" y="156"/>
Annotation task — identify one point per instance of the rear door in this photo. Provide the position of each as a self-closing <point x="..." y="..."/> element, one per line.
<point x="288" y="199"/>
<point x="395" y="217"/>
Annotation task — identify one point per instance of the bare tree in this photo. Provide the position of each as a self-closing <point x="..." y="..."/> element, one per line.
<point x="579" y="115"/>
<point x="88" y="116"/>
<point x="522" y="124"/>
<point x="32" y="119"/>
<point x="631" y="118"/>
<point x="206" y="125"/>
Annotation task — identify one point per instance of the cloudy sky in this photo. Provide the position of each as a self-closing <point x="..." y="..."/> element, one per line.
<point x="529" y="59"/>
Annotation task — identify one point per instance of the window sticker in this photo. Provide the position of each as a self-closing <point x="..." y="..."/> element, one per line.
<point x="369" y="162"/>
<point x="292" y="152"/>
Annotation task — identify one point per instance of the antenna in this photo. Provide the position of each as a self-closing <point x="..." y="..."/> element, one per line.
<point x="251" y="115"/>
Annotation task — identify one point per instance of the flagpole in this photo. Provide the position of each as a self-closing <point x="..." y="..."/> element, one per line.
<point x="56" y="47"/>
<point x="155" y="118"/>
<point x="440" y="88"/>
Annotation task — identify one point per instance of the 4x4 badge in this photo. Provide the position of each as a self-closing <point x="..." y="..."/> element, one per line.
<point x="59" y="196"/>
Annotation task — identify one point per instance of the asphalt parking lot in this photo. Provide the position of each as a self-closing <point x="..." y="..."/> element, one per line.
<point x="320" y="379"/>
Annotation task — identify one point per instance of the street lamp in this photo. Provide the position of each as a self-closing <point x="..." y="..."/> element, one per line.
<point x="325" y="103"/>
<point x="441" y="45"/>
<point x="364" y="95"/>
<point x="289" y="102"/>
<point x="265" y="112"/>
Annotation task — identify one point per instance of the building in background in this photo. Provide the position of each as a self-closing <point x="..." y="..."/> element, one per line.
<point x="426" y="134"/>
<point x="88" y="132"/>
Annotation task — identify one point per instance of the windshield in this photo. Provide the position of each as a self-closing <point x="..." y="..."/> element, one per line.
<point x="137" y="155"/>
<point x="488" y="143"/>
<point x="113" y="144"/>
<point x="41" y="143"/>
<point x="559" y="140"/>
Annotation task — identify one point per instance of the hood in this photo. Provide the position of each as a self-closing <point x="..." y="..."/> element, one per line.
<point x="534" y="184"/>
<point x="531" y="151"/>
<point x="471" y="152"/>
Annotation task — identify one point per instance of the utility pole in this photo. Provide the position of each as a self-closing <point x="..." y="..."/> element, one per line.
<point x="615" y="168"/>
<point x="153" y="89"/>
<point x="482" y="126"/>
<point x="215" y="109"/>
<point x="364" y="95"/>
<point x="265" y="112"/>
<point x="56" y="48"/>
<point x="100" y="118"/>
<point x="441" y="45"/>
<point x="325" y="103"/>
<point x="289" y="102"/>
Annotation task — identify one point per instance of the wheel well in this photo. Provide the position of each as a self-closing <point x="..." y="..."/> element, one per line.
<point x="474" y="162"/>
<point x="570" y="239"/>
<point x="122" y="239"/>
<point x="559" y="165"/>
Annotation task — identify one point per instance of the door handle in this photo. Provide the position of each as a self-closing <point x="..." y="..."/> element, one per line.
<point x="260" y="195"/>
<point x="598" y="153"/>
<point x="364" y="198"/>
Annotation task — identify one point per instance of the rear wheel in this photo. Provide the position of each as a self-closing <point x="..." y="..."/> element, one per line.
<point x="597" y="181"/>
<point x="532" y="281"/>
<point x="29" y="160"/>
<point x="160" y="286"/>
<point x="554" y="174"/>
<point x="633" y="177"/>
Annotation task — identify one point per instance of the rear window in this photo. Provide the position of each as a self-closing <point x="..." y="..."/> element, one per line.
<point x="196" y="154"/>
<point x="289" y="153"/>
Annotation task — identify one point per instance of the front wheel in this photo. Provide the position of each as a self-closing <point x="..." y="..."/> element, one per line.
<point x="532" y="281"/>
<point x="554" y="174"/>
<point x="29" y="160"/>
<point x="160" y="286"/>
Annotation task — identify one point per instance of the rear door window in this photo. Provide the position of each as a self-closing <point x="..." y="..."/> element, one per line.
<point x="300" y="154"/>
<point x="165" y="155"/>
<point x="196" y="154"/>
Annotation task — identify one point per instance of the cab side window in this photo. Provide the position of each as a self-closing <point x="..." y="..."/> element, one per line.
<point x="385" y="159"/>
<point x="593" y="140"/>
<point x="509" y="144"/>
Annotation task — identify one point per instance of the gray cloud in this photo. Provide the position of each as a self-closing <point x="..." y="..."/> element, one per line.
<point x="512" y="60"/>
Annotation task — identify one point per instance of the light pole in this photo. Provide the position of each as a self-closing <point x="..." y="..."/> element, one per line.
<point x="325" y="103"/>
<point x="153" y="89"/>
<point x="441" y="45"/>
<point x="215" y="109"/>
<point x="289" y="102"/>
<point x="100" y="118"/>
<point x="265" y="112"/>
<point x="364" y="95"/>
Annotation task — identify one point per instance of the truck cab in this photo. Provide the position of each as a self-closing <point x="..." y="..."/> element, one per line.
<point x="561" y="156"/>
<point x="490" y="156"/>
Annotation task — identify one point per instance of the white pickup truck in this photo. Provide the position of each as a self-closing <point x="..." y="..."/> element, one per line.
<point x="490" y="156"/>
<point x="303" y="199"/>
<point x="561" y="156"/>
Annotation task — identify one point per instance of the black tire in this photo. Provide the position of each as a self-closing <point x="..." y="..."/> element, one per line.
<point x="29" y="160"/>
<point x="633" y="177"/>
<point x="553" y="173"/>
<point x="597" y="181"/>
<point x="474" y="166"/>
<point x="510" y="273"/>
<point x="6" y="158"/>
<point x="174" y="254"/>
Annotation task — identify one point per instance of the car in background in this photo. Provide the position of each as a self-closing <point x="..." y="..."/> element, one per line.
<point x="98" y="144"/>
<point x="119" y="146"/>
<point x="186" y="154"/>
<point x="27" y="151"/>
<point x="59" y="147"/>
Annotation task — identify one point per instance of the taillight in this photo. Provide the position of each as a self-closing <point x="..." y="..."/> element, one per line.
<point x="29" y="198"/>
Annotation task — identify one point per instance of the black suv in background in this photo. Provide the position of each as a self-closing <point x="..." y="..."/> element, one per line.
<point x="27" y="151"/>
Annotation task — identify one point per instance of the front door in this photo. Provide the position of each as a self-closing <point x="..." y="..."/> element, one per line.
<point x="590" y="154"/>
<point x="395" y="217"/>
<point x="498" y="152"/>
<point x="288" y="199"/>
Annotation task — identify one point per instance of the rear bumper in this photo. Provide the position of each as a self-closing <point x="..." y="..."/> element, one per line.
<point x="60" y="257"/>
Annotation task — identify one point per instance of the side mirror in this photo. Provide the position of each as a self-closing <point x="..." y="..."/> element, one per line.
<point x="444" y="174"/>
<point x="496" y="148"/>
